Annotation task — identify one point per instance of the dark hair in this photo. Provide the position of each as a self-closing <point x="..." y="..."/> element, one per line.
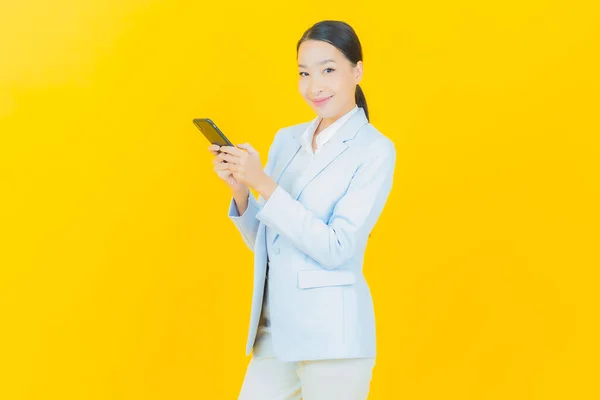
<point x="342" y="36"/>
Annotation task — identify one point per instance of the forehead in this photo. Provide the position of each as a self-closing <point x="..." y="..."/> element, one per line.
<point x="312" y="52"/>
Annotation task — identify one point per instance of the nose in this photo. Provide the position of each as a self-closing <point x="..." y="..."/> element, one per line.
<point x="315" y="87"/>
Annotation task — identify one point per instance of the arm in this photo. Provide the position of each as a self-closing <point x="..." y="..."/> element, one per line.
<point x="246" y="222"/>
<point x="331" y="243"/>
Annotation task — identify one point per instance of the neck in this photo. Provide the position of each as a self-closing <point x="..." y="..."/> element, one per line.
<point x="325" y="122"/>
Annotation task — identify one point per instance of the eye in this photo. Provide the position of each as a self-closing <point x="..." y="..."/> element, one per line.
<point x="302" y="73"/>
<point x="331" y="69"/>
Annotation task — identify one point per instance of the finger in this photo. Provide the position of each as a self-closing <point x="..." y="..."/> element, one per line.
<point x="221" y="166"/>
<point x="213" y="147"/>
<point x="233" y="150"/>
<point x="246" y="146"/>
<point x="218" y="159"/>
<point x="232" y="167"/>
<point x="238" y="176"/>
<point x="230" y="159"/>
<point x="224" y="157"/>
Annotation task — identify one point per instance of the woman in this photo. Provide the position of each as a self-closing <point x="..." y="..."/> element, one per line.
<point x="321" y="192"/>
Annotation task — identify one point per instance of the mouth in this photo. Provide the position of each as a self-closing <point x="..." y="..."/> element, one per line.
<point x="321" y="101"/>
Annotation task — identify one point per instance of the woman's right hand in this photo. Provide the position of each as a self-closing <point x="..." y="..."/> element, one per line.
<point x="220" y="168"/>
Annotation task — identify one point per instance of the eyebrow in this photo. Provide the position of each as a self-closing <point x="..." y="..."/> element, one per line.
<point x="320" y="63"/>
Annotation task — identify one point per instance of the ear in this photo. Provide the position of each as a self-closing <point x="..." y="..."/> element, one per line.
<point x="358" y="72"/>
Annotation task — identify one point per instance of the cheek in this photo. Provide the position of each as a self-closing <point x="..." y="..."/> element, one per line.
<point x="303" y="87"/>
<point x="340" y="85"/>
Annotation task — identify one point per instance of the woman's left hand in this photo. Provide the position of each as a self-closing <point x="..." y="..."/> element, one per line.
<point x="247" y="168"/>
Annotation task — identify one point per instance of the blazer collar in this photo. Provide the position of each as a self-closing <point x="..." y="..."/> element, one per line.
<point x="336" y="146"/>
<point x="346" y="132"/>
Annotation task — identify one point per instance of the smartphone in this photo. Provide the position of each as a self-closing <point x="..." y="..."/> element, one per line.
<point x="210" y="130"/>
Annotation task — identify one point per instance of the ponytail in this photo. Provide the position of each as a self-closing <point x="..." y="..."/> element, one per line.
<point x="359" y="96"/>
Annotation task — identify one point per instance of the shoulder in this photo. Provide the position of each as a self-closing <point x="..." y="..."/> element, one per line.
<point x="292" y="130"/>
<point x="375" y="144"/>
<point x="287" y="133"/>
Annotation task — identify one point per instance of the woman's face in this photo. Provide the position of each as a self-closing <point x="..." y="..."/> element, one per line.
<point x="325" y="73"/>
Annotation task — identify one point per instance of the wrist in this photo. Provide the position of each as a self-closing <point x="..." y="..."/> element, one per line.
<point x="240" y="193"/>
<point x="266" y="187"/>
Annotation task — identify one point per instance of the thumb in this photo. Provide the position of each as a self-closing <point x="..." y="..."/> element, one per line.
<point x="248" y="148"/>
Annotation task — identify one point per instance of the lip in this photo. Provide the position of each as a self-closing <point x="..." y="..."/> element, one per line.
<point x="321" y="102"/>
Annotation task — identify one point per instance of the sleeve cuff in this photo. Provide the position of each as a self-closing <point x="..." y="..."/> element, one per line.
<point x="272" y="207"/>
<point x="233" y="211"/>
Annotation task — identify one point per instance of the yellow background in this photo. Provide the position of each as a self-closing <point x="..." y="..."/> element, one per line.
<point x="121" y="277"/>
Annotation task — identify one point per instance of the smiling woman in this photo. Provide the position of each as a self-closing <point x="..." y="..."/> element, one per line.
<point x="330" y="68"/>
<point x="325" y="184"/>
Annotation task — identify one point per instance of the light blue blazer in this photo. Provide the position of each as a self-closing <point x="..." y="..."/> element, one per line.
<point x="320" y="303"/>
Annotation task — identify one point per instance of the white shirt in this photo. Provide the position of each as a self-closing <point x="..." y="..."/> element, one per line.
<point x="326" y="134"/>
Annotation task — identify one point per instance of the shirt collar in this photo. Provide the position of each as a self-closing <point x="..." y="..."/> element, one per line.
<point x="326" y="134"/>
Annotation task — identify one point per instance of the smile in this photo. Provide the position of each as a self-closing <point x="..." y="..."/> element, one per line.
<point x="322" y="102"/>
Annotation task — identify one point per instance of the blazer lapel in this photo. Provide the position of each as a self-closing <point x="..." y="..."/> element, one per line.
<point x="283" y="159"/>
<point x="286" y="155"/>
<point x="336" y="146"/>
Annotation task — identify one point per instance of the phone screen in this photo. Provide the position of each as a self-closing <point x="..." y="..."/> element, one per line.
<point x="211" y="132"/>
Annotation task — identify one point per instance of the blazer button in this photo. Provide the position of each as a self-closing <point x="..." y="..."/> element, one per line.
<point x="277" y="250"/>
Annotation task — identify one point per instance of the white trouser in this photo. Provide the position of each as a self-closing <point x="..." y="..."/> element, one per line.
<point x="271" y="379"/>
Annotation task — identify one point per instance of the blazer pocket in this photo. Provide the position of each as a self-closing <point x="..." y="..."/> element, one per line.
<point x="311" y="278"/>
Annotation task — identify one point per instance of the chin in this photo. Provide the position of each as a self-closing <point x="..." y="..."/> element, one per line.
<point x="324" y="113"/>
<point x="328" y="113"/>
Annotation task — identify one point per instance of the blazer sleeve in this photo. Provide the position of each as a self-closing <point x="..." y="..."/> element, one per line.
<point x="331" y="243"/>
<point x="247" y="223"/>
